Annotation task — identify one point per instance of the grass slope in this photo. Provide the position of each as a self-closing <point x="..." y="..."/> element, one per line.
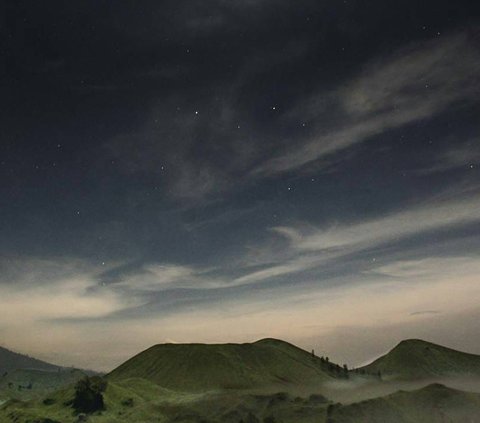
<point x="140" y="401"/>
<point x="203" y="367"/>
<point x="416" y="359"/>
<point x="432" y="404"/>
<point x="10" y="360"/>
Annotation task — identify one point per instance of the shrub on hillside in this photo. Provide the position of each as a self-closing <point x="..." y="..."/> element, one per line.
<point x="89" y="395"/>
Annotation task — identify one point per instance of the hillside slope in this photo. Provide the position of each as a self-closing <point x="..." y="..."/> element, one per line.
<point x="416" y="359"/>
<point x="201" y="367"/>
<point x="141" y="401"/>
<point x="432" y="404"/>
<point x="10" y="360"/>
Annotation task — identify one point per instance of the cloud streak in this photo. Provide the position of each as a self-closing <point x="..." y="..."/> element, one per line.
<point x="411" y="85"/>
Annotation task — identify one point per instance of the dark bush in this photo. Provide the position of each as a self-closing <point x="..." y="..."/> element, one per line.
<point x="89" y="395"/>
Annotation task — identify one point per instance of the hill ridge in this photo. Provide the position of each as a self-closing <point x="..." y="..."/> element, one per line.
<point x="11" y="360"/>
<point x="417" y="359"/>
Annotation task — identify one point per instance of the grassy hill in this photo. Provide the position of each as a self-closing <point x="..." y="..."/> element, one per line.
<point x="432" y="404"/>
<point x="10" y="360"/>
<point x="203" y="367"/>
<point x="416" y="359"/>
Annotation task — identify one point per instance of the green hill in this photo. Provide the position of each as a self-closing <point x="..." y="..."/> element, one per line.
<point x="203" y="367"/>
<point x="416" y="359"/>
<point x="432" y="404"/>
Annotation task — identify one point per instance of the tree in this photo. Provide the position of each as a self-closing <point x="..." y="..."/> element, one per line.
<point x="89" y="395"/>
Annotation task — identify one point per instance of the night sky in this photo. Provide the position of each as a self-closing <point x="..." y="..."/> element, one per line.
<point x="216" y="171"/>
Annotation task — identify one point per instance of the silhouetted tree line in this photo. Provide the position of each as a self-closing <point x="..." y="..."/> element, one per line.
<point x="342" y="371"/>
<point x="333" y="368"/>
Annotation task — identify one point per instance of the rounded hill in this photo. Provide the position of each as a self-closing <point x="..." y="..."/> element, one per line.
<point x="199" y="367"/>
<point x="417" y="359"/>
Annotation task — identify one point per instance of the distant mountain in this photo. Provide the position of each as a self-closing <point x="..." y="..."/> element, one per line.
<point x="201" y="367"/>
<point x="10" y="360"/>
<point x="432" y="404"/>
<point x="416" y="359"/>
<point x="30" y="383"/>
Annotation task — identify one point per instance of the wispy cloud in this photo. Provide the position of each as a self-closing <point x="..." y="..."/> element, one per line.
<point x="35" y="290"/>
<point x="154" y="277"/>
<point x="393" y="227"/>
<point x="464" y="155"/>
<point x="310" y="247"/>
<point x="411" y="85"/>
<point x="428" y="268"/>
<point x="425" y="312"/>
